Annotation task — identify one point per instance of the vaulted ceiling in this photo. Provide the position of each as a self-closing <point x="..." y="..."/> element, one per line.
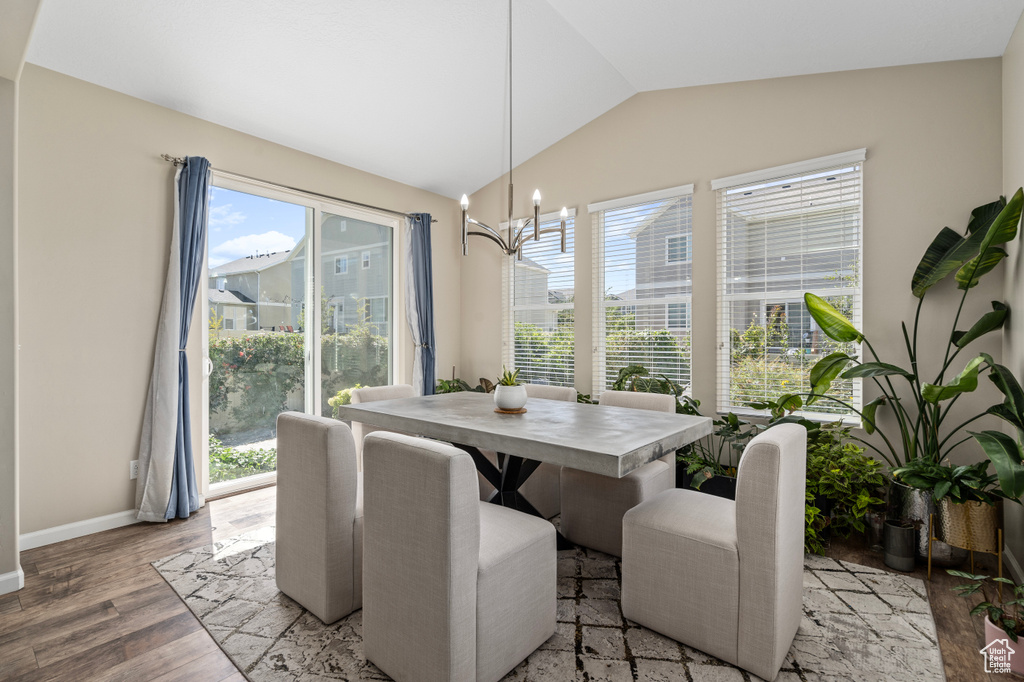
<point x="416" y="90"/>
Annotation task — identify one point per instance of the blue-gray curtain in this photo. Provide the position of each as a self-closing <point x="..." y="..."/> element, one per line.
<point x="193" y="199"/>
<point x="423" y="281"/>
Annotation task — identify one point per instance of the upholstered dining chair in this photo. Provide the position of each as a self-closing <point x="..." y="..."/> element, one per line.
<point x="455" y="589"/>
<point x="747" y="557"/>
<point x="541" y="489"/>
<point x="593" y="505"/>
<point x="372" y="394"/>
<point x="319" y="550"/>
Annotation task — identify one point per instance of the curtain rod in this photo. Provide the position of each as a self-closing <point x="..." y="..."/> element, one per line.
<point x="180" y="161"/>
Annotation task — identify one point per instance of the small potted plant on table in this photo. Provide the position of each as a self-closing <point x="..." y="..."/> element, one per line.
<point x="509" y="394"/>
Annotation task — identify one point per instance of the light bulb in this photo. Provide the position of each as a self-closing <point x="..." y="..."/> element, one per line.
<point x="564" y="214"/>
<point x="536" y="197"/>
<point x="464" y="202"/>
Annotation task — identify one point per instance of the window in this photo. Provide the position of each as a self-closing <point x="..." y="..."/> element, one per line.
<point x="538" y="309"/>
<point x="642" y="283"/>
<point x="783" y="232"/>
<point x="222" y="283"/>
<point x="341" y="265"/>
<point x="366" y="260"/>
<point x="677" y="248"/>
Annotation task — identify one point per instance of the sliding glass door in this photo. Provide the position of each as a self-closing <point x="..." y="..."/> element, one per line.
<point x="299" y="301"/>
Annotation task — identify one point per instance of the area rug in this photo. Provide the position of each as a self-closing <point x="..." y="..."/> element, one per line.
<point x="859" y="624"/>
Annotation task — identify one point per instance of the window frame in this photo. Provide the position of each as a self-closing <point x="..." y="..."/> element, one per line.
<point x="778" y="174"/>
<point x="687" y="253"/>
<point x="597" y="212"/>
<point x="508" y="304"/>
<point x="341" y="265"/>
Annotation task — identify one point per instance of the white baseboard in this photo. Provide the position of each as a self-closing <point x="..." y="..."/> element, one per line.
<point x="69" y="531"/>
<point x="12" y="582"/>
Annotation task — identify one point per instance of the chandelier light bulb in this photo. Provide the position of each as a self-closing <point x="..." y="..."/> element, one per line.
<point x="464" y="202"/>
<point x="536" y="197"/>
<point x="564" y="214"/>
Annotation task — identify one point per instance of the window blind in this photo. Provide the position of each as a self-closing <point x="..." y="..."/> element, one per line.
<point x="780" y="235"/>
<point x="538" y="296"/>
<point x="642" y="279"/>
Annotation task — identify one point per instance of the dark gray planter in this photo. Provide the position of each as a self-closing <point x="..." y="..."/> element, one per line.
<point x="916" y="506"/>
<point x="900" y="546"/>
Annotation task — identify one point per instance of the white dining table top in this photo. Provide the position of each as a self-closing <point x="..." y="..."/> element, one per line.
<point x="611" y="441"/>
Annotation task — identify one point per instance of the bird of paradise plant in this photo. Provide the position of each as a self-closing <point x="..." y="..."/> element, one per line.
<point x="922" y="408"/>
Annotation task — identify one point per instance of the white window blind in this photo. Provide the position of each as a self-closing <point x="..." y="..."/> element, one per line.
<point x="642" y="279"/>
<point x="538" y="296"/>
<point x="781" y="233"/>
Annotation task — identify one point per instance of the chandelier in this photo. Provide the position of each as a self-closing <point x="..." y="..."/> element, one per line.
<point x="517" y="232"/>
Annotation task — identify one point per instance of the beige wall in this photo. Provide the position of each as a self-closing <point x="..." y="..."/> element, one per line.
<point x="1013" y="177"/>
<point x="932" y="134"/>
<point x="95" y="224"/>
<point x="8" y="332"/>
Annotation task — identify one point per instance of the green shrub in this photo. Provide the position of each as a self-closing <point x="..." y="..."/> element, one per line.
<point x="227" y="464"/>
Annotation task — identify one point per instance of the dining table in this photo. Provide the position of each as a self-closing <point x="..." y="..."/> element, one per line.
<point x="601" y="439"/>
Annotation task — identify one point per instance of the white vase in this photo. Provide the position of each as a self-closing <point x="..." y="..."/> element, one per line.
<point x="510" y="397"/>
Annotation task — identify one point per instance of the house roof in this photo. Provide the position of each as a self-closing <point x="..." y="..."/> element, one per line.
<point x="227" y="296"/>
<point x="253" y="263"/>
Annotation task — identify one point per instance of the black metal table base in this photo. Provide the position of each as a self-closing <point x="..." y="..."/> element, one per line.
<point x="507" y="478"/>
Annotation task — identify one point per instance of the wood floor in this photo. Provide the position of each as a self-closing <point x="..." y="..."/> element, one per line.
<point x="94" y="609"/>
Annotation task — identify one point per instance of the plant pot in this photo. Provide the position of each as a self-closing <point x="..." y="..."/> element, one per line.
<point x="874" y="530"/>
<point x="970" y="525"/>
<point x="916" y="505"/>
<point x="995" y="662"/>
<point x="719" y="486"/>
<point x="510" y="397"/>
<point x="900" y="546"/>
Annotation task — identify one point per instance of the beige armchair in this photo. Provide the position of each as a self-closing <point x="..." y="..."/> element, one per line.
<point x="593" y="505"/>
<point x="541" y="489"/>
<point x="372" y="394"/>
<point x="746" y="556"/>
<point x="319" y="550"/>
<point x="455" y="589"/>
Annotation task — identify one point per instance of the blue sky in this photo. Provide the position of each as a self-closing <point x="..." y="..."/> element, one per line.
<point x="241" y="224"/>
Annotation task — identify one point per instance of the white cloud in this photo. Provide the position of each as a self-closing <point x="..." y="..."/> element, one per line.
<point x="223" y="215"/>
<point x="240" y="247"/>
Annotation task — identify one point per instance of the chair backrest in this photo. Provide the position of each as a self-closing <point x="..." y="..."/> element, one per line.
<point x="566" y="393"/>
<point x="770" y="485"/>
<point x="421" y="514"/>
<point x="372" y="394"/>
<point x="317" y="492"/>
<point x="656" y="402"/>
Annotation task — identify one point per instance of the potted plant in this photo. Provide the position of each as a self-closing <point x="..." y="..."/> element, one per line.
<point x="967" y="498"/>
<point x="900" y="544"/>
<point x="709" y="464"/>
<point x="922" y="409"/>
<point x="509" y="394"/>
<point x="1000" y="607"/>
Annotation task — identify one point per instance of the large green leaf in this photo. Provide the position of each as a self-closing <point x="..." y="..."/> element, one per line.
<point x="965" y="382"/>
<point x="869" y="413"/>
<point x="825" y="372"/>
<point x="982" y="217"/>
<point x="870" y="370"/>
<point x="1004" y="452"/>
<point x="970" y="274"/>
<point x="945" y="255"/>
<point x="1013" y="405"/>
<point x="945" y="241"/>
<point x="989" y="322"/>
<point x="831" y="321"/>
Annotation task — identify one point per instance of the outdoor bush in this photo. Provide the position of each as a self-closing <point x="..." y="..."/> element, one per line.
<point x="227" y="464"/>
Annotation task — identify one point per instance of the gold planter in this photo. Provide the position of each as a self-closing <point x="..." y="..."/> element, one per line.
<point x="971" y="525"/>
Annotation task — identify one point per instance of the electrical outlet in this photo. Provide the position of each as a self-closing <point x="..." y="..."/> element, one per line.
<point x="133" y="469"/>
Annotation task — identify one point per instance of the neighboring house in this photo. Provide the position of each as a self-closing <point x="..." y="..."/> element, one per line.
<point x="664" y="270"/>
<point x="532" y="294"/>
<point x="266" y="292"/>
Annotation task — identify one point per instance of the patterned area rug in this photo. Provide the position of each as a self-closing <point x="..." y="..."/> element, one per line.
<point x="859" y="624"/>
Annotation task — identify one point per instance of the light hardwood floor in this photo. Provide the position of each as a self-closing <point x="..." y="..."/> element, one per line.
<point x="94" y="609"/>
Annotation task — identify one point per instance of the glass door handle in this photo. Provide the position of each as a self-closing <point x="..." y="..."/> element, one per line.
<point x="208" y="367"/>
